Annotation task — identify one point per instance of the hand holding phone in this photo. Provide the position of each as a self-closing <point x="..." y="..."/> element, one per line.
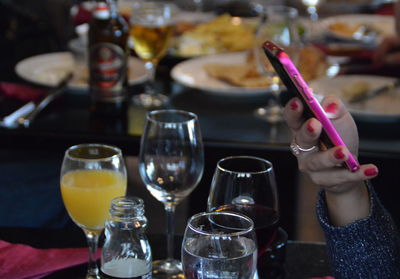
<point x="296" y="85"/>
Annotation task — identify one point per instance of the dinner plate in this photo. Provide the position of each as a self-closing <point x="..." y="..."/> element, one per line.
<point x="384" y="25"/>
<point x="48" y="69"/>
<point x="191" y="73"/>
<point x="385" y="106"/>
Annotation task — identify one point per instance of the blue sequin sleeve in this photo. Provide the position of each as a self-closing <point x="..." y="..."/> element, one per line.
<point x="367" y="248"/>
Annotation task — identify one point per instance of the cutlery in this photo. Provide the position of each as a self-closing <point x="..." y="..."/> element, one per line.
<point x="52" y="95"/>
<point x="365" y="33"/>
<point x="11" y="120"/>
<point x="375" y="92"/>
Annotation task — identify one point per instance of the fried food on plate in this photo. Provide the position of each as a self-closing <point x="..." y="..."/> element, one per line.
<point x="222" y="34"/>
<point x="242" y="75"/>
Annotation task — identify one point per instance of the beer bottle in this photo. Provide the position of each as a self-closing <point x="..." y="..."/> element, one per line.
<point x="108" y="54"/>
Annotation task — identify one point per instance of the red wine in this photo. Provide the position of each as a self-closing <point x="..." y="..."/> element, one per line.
<point x="265" y="225"/>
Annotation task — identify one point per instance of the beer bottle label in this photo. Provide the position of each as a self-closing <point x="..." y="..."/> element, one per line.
<point x="108" y="71"/>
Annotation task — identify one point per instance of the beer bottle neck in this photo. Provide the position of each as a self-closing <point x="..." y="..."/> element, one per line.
<point x="102" y="11"/>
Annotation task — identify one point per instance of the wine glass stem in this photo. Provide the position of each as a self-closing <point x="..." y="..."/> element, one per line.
<point x="92" y="240"/>
<point x="151" y="73"/>
<point x="170" y="210"/>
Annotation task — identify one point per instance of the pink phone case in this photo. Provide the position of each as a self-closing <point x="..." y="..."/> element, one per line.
<point x="294" y="81"/>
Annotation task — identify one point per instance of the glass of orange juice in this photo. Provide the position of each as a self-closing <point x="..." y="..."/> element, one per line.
<point x="91" y="176"/>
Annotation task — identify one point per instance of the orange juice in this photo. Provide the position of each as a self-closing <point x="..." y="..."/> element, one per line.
<point x="87" y="195"/>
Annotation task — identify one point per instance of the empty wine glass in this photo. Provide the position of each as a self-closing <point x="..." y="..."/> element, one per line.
<point x="219" y="245"/>
<point x="281" y="28"/>
<point x="171" y="163"/>
<point x="247" y="185"/>
<point x="91" y="176"/>
<point x="151" y="30"/>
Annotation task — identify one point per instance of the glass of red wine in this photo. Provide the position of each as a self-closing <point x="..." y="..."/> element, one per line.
<point x="247" y="185"/>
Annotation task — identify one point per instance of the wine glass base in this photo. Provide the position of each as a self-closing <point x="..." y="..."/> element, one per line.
<point x="168" y="269"/>
<point x="150" y="100"/>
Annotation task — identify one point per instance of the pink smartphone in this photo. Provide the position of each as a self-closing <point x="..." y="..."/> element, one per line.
<point x="295" y="84"/>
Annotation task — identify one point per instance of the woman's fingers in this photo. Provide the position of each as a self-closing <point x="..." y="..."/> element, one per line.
<point x="293" y="114"/>
<point x="330" y="178"/>
<point x="320" y="161"/>
<point x="308" y="135"/>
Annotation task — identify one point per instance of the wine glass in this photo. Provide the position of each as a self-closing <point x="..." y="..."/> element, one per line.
<point x="171" y="163"/>
<point x="312" y="8"/>
<point x="219" y="245"/>
<point x="150" y="31"/>
<point x="246" y="184"/>
<point x="91" y="176"/>
<point x="280" y="27"/>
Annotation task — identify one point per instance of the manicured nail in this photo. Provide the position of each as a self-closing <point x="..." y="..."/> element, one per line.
<point x="331" y="108"/>
<point x="294" y="105"/>
<point x="339" y="154"/>
<point x="310" y="128"/>
<point x="371" y="172"/>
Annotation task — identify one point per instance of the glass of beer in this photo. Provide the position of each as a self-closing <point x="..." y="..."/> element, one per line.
<point x="150" y="32"/>
<point x="91" y="176"/>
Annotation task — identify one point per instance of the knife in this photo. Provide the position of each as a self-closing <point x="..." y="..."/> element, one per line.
<point x="53" y="94"/>
<point x="375" y="92"/>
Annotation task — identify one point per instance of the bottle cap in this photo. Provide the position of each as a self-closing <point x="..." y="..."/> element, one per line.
<point x="102" y="11"/>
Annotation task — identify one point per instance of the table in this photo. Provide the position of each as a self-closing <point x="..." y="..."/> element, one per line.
<point x="229" y="127"/>
<point x="303" y="259"/>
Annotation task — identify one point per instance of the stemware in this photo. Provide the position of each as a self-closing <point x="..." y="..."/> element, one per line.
<point x="312" y="8"/>
<point x="150" y="31"/>
<point x="91" y="176"/>
<point x="171" y="163"/>
<point x="219" y="245"/>
<point x="280" y="27"/>
<point x="247" y="185"/>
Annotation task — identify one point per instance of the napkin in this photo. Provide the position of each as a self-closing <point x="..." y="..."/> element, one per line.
<point x="21" y="92"/>
<point x="18" y="261"/>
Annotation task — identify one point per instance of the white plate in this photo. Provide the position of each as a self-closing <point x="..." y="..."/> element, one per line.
<point x="383" y="24"/>
<point x="386" y="105"/>
<point x="191" y="73"/>
<point x="48" y="69"/>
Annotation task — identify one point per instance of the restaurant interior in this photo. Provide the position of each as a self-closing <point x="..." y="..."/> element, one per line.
<point x="214" y="67"/>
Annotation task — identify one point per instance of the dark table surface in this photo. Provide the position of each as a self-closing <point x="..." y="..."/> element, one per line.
<point x="303" y="259"/>
<point x="228" y="125"/>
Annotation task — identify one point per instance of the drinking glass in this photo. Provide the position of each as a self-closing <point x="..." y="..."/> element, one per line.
<point x="171" y="163"/>
<point x="91" y="176"/>
<point x="312" y="8"/>
<point x="281" y="28"/>
<point x="219" y="245"/>
<point x="247" y="185"/>
<point x="150" y="31"/>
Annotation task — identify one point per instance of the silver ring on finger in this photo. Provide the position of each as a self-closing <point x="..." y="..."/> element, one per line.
<point x="297" y="149"/>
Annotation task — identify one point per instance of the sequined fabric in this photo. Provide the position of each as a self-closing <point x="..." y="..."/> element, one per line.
<point x="367" y="248"/>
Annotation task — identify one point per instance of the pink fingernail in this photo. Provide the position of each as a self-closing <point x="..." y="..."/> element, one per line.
<point x="310" y="128"/>
<point x="294" y="105"/>
<point x="371" y="172"/>
<point x="331" y="108"/>
<point x="339" y="154"/>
